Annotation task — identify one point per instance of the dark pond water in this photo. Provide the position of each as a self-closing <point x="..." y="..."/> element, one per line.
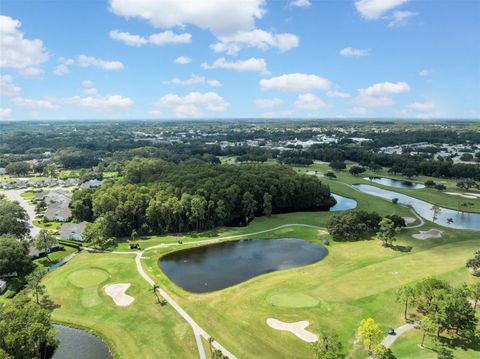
<point x="76" y="343"/>
<point x="461" y="220"/>
<point x="395" y="183"/>
<point x="343" y="203"/>
<point x="209" y="268"/>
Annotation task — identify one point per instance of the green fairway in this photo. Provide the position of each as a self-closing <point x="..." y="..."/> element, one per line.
<point x="144" y="329"/>
<point x="356" y="280"/>
<point x="91" y="277"/>
<point x="441" y="198"/>
<point x="292" y="300"/>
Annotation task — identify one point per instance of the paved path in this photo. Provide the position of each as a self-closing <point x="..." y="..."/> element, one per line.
<point x="388" y="341"/>
<point x="15" y="195"/>
<point x="198" y="331"/>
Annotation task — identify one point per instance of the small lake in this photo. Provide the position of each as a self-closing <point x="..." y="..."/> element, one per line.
<point x="343" y="203"/>
<point x="461" y="220"/>
<point x="77" y="343"/>
<point x="214" y="267"/>
<point x="395" y="183"/>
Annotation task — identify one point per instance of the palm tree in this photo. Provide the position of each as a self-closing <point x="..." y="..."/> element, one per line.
<point x="210" y="341"/>
<point x="155" y="287"/>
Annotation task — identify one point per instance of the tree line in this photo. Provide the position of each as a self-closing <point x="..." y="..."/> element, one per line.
<point x="158" y="197"/>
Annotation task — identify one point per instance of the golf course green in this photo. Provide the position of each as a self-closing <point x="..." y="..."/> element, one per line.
<point x="355" y="281"/>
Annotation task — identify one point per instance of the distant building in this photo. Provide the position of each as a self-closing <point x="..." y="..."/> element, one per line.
<point x="3" y="171"/>
<point x="72" y="231"/>
<point x="91" y="184"/>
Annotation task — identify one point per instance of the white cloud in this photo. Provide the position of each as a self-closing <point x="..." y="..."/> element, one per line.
<point x="425" y="72"/>
<point x="421" y="106"/>
<point x="99" y="102"/>
<point x="378" y="95"/>
<point x="400" y="18"/>
<point x="183" y="60"/>
<point x="7" y="87"/>
<point x="300" y="3"/>
<point x="5" y="113"/>
<point x="63" y="68"/>
<point x="250" y="65"/>
<point x="278" y="114"/>
<point x="34" y="104"/>
<point x="338" y="94"/>
<point x="155" y="113"/>
<point x="386" y="88"/>
<point x="309" y="101"/>
<point x="268" y="102"/>
<point x="222" y="17"/>
<point x="194" y="80"/>
<point x="261" y="39"/>
<point x="85" y="61"/>
<point x="351" y="52"/>
<point x="374" y="9"/>
<point x="127" y="38"/>
<point x="295" y="82"/>
<point x="168" y="37"/>
<point x="31" y="72"/>
<point x="191" y="105"/>
<point x="16" y="51"/>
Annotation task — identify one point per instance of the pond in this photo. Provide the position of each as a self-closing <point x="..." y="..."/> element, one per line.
<point x="213" y="267"/>
<point x="395" y="183"/>
<point x="461" y="220"/>
<point x="77" y="343"/>
<point x="343" y="203"/>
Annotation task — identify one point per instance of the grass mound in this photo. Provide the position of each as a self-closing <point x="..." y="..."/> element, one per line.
<point x="292" y="300"/>
<point x="84" y="278"/>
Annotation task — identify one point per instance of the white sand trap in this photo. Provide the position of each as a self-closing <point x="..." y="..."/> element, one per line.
<point x="297" y="328"/>
<point x="117" y="292"/>
<point x="431" y="233"/>
<point x="464" y="195"/>
<point x="409" y="220"/>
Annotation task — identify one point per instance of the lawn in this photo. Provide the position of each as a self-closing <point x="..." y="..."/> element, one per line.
<point x="46" y="225"/>
<point x="356" y="280"/>
<point x="142" y="330"/>
<point x="427" y="194"/>
<point x="54" y="257"/>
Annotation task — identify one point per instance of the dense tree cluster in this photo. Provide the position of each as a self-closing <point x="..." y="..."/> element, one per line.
<point x="157" y="196"/>
<point x="353" y="226"/>
<point x="13" y="219"/>
<point x="444" y="309"/>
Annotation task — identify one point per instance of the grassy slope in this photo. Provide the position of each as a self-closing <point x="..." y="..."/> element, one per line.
<point x="142" y="330"/>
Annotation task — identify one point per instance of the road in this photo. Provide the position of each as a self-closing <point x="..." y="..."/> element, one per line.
<point x="388" y="341"/>
<point x="15" y="195"/>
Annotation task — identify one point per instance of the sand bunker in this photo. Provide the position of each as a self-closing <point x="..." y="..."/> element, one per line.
<point x="117" y="292"/>
<point x="464" y="195"/>
<point x="409" y="220"/>
<point x="431" y="233"/>
<point x="297" y="328"/>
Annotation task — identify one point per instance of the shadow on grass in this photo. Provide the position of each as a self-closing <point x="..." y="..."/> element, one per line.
<point x="403" y="249"/>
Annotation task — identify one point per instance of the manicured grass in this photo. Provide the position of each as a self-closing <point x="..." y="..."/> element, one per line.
<point x="142" y="330"/>
<point x="54" y="257"/>
<point x="355" y="281"/>
<point x="427" y="194"/>
<point x="292" y="300"/>
<point x="46" y="225"/>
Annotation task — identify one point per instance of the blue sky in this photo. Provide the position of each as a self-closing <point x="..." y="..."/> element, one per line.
<point x="163" y="59"/>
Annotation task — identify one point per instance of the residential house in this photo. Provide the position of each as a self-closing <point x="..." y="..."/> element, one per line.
<point x="72" y="231"/>
<point x="58" y="214"/>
